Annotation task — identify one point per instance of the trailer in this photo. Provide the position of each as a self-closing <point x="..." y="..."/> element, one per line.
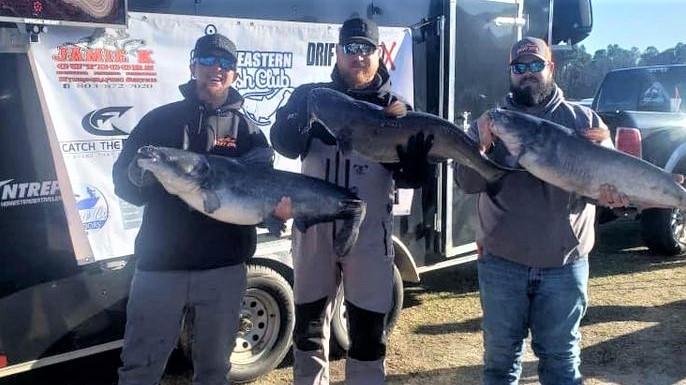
<point x="73" y="88"/>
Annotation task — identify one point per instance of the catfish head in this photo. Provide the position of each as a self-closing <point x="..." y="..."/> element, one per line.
<point x="333" y="110"/>
<point x="179" y="171"/>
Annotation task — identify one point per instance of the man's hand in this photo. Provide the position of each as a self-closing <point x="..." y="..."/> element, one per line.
<point x="284" y="209"/>
<point x="413" y="161"/>
<point x="397" y="109"/>
<point x="610" y="197"/>
<point x="597" y="134"/>
<point x="484" y="124"/>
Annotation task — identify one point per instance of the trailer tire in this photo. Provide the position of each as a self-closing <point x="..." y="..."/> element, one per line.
<point x="266" y="330"/>
<point x="339" y="325"/>
<point x="664" y="231"/>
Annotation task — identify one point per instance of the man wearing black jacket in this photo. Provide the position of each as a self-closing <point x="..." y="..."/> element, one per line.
<point x="187" y="261"/>
<point x="367" y="271"/>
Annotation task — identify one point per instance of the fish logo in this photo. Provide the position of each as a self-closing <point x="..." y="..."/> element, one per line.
<point x="92" y="206"/>
<point x="261" y="107"/>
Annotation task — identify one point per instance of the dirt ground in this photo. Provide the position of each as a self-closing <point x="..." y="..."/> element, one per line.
<point x="633" y="333"/>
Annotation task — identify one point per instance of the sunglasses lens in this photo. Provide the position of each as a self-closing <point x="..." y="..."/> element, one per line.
<point x="206" y="60"/>
<point x="519" y="68"/>
<point x="227" y="63"/>
<point x="536" y="66"/>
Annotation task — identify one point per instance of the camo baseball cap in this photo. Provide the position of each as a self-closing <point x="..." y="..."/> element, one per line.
<point x="359" y="30"/>
<point x="210" y="44"/>
<point x="530" y="46"/>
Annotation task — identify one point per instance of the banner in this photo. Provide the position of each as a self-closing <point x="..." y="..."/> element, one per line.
<point x="97" y="83"/>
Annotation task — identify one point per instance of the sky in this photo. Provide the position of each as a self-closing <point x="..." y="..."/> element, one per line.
<point x="637" y="23"/>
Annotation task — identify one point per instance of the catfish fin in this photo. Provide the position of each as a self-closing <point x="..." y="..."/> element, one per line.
<point x="210" y="201"/>
<point x="303" y="223"/>
<point x="260" y="156"/>
<point x="344" y="141"/>
<point x="275" y="225"/>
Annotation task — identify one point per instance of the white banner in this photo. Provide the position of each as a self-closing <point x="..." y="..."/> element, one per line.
<point x="97" y="83"/>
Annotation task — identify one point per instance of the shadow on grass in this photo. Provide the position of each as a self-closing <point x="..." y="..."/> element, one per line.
<point x="620" y="250"/>
<point x="655" y="352"/>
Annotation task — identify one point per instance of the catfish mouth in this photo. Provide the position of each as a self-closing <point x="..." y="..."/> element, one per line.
<point x="153" y="154"/>
<point x="183" y="162"/>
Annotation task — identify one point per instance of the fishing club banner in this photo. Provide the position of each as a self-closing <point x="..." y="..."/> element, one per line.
<point x="97" y="83"/>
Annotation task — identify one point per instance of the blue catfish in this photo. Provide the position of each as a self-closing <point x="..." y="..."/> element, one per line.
<point x="245" y="191"/>
<point x="559" y="156"/>
<point x="363" y="127"/>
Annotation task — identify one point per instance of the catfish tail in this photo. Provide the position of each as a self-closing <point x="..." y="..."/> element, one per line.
<point x="352" y="213"/>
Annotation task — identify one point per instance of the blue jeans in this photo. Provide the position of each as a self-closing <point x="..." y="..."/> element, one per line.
<point x="548" y="301"/>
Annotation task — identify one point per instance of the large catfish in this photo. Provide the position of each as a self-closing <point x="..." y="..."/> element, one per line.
<point x="363" y="127"/>
<point x="245" y="191"/>
<point x="559" y="156"/>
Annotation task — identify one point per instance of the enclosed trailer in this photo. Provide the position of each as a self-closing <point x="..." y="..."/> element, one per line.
<point x="65" y="268"/>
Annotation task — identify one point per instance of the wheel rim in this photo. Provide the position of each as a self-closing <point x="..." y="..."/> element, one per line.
<point x="259" y="327"/>
<point x="678" y="226"/>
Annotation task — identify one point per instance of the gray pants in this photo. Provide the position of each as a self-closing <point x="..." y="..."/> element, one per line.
<point x="367" y="277"/>
<point x="157" y="303"/>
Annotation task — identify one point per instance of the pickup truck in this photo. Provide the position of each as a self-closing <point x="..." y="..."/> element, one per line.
<point x="643" y="108"/>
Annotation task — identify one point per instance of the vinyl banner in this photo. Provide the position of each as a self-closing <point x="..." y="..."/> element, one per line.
<point x="97" y="83"/>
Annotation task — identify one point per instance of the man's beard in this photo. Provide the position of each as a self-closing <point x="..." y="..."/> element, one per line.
<point x="211" y="94"/>
<point x="358" y="79"/>
<point x="532" y="94"/>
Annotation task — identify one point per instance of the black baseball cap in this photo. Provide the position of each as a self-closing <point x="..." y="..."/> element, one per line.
<point x="210" y="44"/>
<point x="359" y="30"/>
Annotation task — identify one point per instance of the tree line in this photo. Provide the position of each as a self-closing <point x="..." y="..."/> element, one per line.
<point x="579" y="73"/>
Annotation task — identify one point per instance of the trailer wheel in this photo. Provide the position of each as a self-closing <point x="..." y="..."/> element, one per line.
<point x="664" y="231"/>
<point x="339" y="322"/>
<point x="266" y="326"/>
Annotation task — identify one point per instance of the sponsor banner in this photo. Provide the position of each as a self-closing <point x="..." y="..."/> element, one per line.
<point x="97" y="84"/>
<point x="15" y="193"/>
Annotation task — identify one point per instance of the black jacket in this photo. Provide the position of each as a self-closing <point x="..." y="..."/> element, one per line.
<point x="173" y="236"/>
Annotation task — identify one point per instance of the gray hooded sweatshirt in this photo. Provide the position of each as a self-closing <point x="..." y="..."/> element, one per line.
<point x="522" y="218"/>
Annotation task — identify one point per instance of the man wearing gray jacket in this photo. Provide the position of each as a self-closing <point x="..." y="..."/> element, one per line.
<point x="367" y="271"/>
<point x="533" y="238"/>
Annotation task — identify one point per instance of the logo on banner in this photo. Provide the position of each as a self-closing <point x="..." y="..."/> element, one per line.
<point x="28" y="193"/>
<point x="109" y="58"/>
<point x="320" y="54"/>
<point x="99" y="122"/>
<point x="264" y="82"/>
<point x="92" y="206"/>
<point x="388" y="55"/>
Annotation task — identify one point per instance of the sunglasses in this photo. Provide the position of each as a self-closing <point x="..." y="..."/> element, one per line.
<point x="358" y="49"/>
<point x="534" y="66"/>
<point x="224" y="63"/>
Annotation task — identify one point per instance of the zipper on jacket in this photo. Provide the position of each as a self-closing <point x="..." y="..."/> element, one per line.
<point x="336" y="176"/>
<point x="201" y="109"/>
<point x="347" y="173"/>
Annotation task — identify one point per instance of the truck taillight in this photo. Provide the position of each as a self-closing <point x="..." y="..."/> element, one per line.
<point x="3" y="360"/>
<point x="628" y="140"/>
